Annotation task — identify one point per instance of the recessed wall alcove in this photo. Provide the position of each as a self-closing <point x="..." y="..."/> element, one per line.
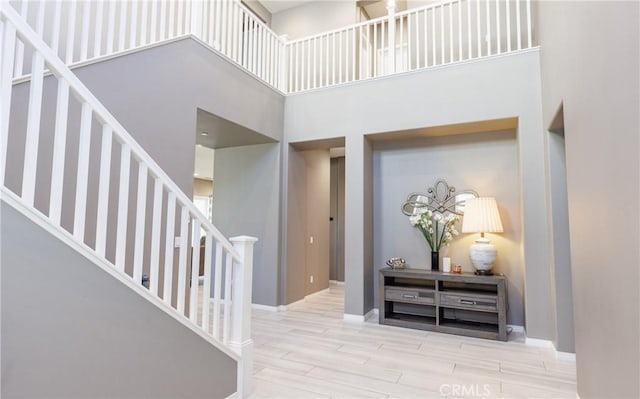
<point x="480" y="156"/>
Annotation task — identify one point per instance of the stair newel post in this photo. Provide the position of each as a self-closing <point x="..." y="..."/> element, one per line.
<point x="197" y="14"/>
<point x="283" y="63"/>
<point x="391" y="20"/>
<point x="241" y="340"/>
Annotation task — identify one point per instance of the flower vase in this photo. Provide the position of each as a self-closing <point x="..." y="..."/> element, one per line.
<point x="435" y="261"/>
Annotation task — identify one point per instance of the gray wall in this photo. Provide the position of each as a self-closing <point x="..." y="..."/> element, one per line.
<point x="484" y="162"/>
<point x="247" y="202"/>
<point x="294" y="241"/>
<point x="560" y="244"/>
<point x="491" y="89"/>
<point x="156" y="100"/>
<point x="70" y="330"/>
<point x="590" y="55"/>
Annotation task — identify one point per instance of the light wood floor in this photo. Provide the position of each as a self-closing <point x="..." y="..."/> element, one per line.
<point x="309" y="351"/>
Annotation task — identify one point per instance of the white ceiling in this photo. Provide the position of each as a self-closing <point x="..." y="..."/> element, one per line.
<point x="216" y="132"/>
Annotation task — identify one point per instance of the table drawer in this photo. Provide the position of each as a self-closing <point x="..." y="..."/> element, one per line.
<point x="418" y="295"/>
<point x="474" y="302"/>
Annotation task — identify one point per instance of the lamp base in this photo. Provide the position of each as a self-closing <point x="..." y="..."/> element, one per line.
<point x="483" y="273"/>
<point x="482" y="255"/>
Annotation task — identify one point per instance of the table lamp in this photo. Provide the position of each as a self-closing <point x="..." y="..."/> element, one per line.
<point x="481" y="216"/>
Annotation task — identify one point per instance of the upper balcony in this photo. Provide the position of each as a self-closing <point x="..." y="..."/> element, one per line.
<point x="435" y="35"/>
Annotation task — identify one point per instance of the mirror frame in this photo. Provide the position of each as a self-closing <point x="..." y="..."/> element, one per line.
<point x="440" y="198"/>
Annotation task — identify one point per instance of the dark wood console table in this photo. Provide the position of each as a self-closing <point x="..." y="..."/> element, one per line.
<point x="463" y="304"/>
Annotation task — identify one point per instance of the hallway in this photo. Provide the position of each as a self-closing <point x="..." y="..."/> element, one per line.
<point x="310" y="351"/>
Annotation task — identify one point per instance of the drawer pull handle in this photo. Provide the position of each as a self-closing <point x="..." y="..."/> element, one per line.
<point x="410" y="296"/>
<point x="466" y="302"/>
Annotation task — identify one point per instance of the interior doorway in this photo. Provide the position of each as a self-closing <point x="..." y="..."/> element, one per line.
<point x="236" y="183"/>
<point x="203" y="193"/>
<point x="203" y="180"/>
<point x="315" y="219"/>
<point x="336" y="218"/>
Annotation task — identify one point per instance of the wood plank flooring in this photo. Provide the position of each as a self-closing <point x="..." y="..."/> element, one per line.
<point x="309" y="351"/>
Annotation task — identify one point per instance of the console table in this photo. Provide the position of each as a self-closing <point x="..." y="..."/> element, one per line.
<point x="463" y="304"/>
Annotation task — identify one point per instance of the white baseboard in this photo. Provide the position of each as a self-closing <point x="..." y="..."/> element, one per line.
<point x="283" y="308"/>
<point x="267" y="308"/>
<point x="360" y="318"/>
<point x="544" y="343"/>
<point x="371" y="314"/>
<point x="566" y="356"/>
<point x="336" y="282"/>
<point x="539" y="343"/>
<point x="516" y="329"/>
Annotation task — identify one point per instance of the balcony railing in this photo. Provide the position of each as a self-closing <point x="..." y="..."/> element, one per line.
<point x="438" y="34"/>
<point x="442" y="33"/>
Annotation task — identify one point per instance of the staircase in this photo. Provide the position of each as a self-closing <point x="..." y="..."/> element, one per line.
<point x="69" y="166"/>
<point x="124" y="213"/>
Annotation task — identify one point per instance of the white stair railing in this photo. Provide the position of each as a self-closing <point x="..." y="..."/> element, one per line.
<point x="82" y="31"/>
<point x="162" y="215"/>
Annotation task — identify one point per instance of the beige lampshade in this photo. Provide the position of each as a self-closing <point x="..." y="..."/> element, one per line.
<point x="481" y="216"/>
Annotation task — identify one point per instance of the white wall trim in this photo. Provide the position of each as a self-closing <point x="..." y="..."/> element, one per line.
<point x="539" y="343"/>
<point x="566" y="356"/>
<point x="360" y="318"/>
<point x="266" y="308"/>
<point x="336" y="282"/>
<point x="516" y="329"/>
<point x="372" y="314"/>
<point x="357" y="318"/>
<point x="544" y="343"/>
<point x="283" y="308"/>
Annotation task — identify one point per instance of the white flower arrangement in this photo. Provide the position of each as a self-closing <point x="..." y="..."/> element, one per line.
<point x="437" y="229"/>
